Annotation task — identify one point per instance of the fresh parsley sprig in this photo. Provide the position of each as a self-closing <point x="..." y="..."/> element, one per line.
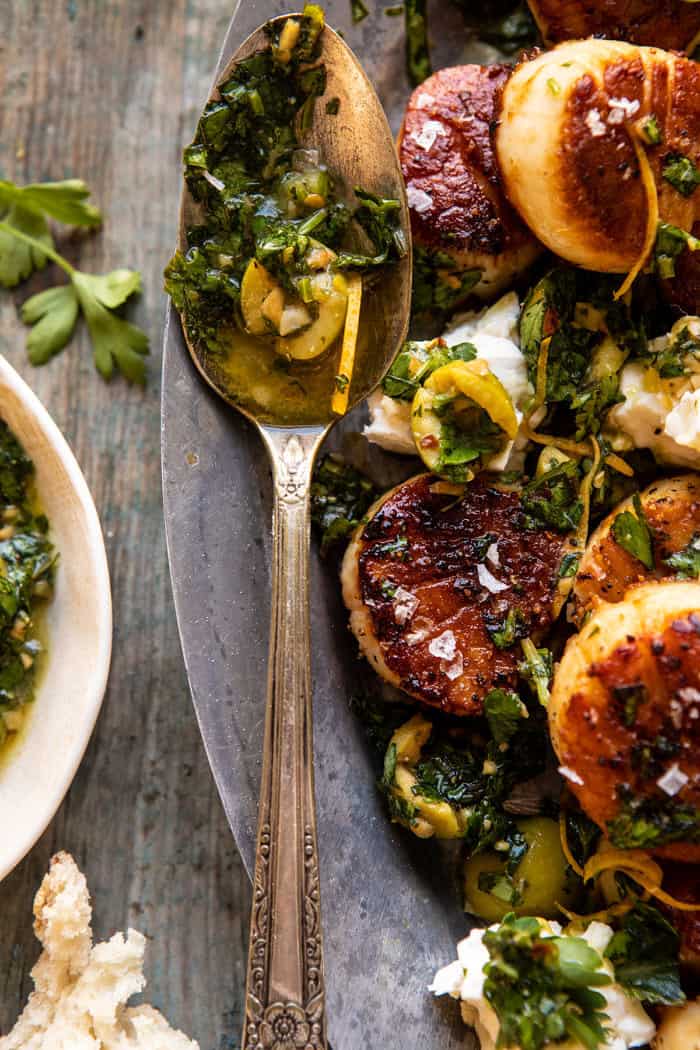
<point x="26" y="244"/>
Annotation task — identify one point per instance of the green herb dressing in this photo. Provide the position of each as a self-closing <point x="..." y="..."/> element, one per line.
<point x="27" y="563"/>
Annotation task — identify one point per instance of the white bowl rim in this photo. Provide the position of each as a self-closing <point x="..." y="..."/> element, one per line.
<point x="46" y="811"/>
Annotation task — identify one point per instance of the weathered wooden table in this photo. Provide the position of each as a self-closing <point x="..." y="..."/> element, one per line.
<point x="108" y="90"/>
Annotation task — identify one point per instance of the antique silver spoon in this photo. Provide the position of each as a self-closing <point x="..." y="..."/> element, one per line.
<point x="285" y="995"/>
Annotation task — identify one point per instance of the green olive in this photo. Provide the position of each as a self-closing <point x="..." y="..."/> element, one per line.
<point x="538" y="883"/>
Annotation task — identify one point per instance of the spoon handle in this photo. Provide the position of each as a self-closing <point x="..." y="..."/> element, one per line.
<point x="285" y="994"/>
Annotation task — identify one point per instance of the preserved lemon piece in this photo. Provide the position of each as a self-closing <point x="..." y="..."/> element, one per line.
<point x="331" y="293"/>
<point x="257" y="286"/>
<point x="461" y="414"/>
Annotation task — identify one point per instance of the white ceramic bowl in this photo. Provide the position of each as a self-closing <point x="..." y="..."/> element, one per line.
<point x="42" y="763"/>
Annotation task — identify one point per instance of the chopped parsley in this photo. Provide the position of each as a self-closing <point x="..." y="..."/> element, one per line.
<point x="628" y="699"/>
<point x="340" y="497"/>
<point x="417" y="49"/>
<point x="416" y="361"/>
<point x="536" y="669"/>
<point x="649" y="821"/>
<point x="504" y="712"/>
<point x="27" y="559"/>
<point x="644" y="952"/>
<point x="681" y="173"/>
<point x="552" y="501"/>
<point x="670" y="243"/>
<point x="686" y="562"/>
<point x="506" y="632"/>
<point x="439" y="285"/>
<point x="358" y="11"/>
<point x="543" y="988"/>
<point x="631" y="531"/>
<point x="650" y="131"/>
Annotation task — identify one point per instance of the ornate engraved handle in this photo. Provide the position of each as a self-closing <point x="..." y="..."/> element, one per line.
<point x="285" y="996"/>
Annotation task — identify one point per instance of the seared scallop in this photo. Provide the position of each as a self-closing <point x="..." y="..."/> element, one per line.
<point x="624" y="719"/>
<point x="607" y="570"/>
<point x="569" y="142"/>
<point x="461" y="221"/>
<point x="662" y="23"/>
<point x="441" y="587"/>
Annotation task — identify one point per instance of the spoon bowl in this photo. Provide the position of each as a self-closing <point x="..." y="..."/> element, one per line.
<point x="285" y="994"/>
<point x="355" y="144"/>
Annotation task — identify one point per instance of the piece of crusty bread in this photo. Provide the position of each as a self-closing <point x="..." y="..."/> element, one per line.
<point x="81" y="990"/>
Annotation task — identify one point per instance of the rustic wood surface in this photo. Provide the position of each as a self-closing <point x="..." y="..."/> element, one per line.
<point x="108" y="90"/>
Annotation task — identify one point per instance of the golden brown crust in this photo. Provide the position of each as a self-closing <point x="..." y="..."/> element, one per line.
<point x="625" y="709"/>
<point x="441" y="541"/>
<point x="661" y="23"/>
<point x="448" y="162"/>
<point x="607" y="571"/>
<point x="565" y="144"/>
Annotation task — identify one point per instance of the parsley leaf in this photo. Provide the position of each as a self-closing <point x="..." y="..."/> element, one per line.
<point x="687" y="561"/>
<point x="26" y="208"/>
<point x="631" y="532"/>
<point x="53" y="314"/>
<point x="644" y="953"/>
<point x="504" y="712"/>
<point x="115" y="342"/>
<point x="681" y="173"/>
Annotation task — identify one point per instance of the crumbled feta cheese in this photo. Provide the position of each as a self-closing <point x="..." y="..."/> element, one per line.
<point x="427" y="134"/>
<point x="487" y="580"/>
<point x="444" y="646"/>
<point x="570" y="774"/>
<point x="390" y="424"/>
<point x="659" y="414"/>
<point x="622" y="109"/>
<point x="492" y="554"/>
<point x="673" y="780"/>
<point x="405" y="604"/>
<point x="628" y="1024"/>
<point x="594" y="124"/>
<point x="418" y="199"/>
